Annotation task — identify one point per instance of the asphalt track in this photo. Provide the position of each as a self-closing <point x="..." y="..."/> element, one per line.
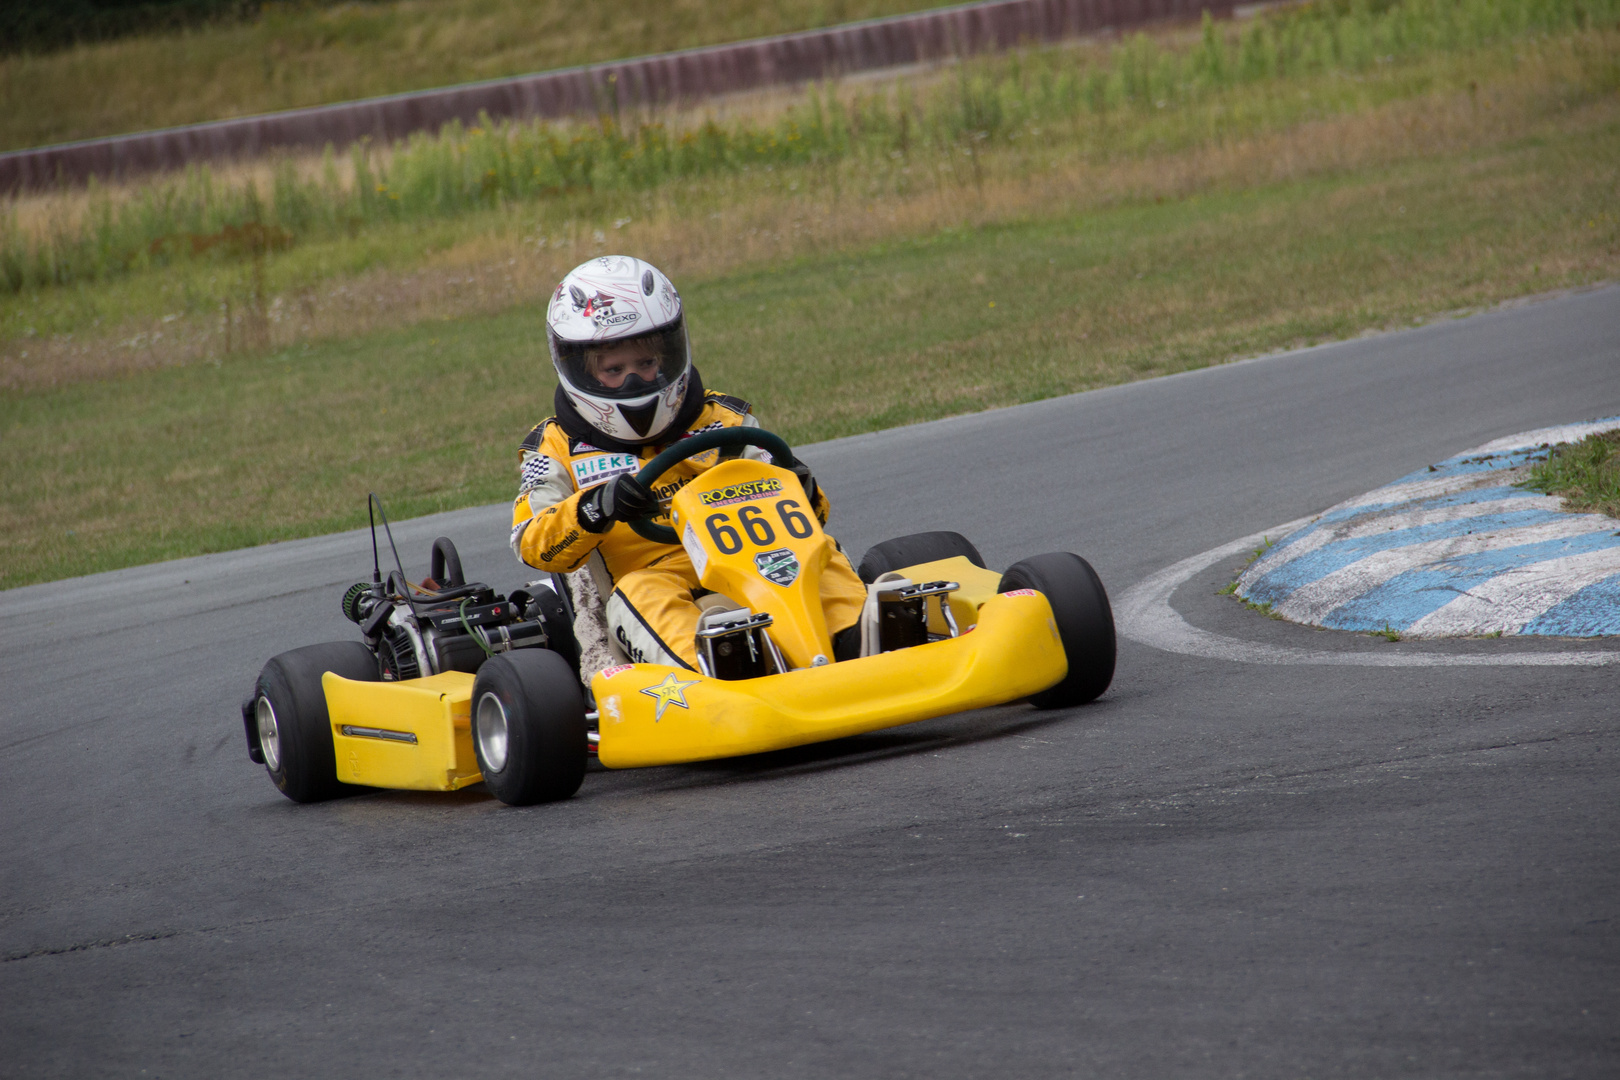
<point x="1221" y="868"/>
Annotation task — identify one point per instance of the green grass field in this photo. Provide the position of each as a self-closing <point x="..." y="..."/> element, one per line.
<point x="282" y="251"/>
<point x="260" y="447"/>
<point x="840" y="297"/>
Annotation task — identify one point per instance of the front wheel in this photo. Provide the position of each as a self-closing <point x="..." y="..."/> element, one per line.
<point x="1085" y="623"/>
<point x="293" y="726"/>
<point x="529" y="728"/>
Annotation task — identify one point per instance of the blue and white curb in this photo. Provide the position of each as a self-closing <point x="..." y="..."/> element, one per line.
<point x="1452" y="550"/>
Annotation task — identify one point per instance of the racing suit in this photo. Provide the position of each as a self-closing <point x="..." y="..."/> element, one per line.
<point x="652" y="611"/>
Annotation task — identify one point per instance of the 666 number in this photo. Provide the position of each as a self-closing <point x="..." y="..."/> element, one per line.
<point x="758" y="526"/>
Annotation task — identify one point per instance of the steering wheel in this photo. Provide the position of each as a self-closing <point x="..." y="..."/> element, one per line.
<point x="724" y="438"/>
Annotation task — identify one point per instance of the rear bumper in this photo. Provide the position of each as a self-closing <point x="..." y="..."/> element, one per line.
<point x="655" y="715"/>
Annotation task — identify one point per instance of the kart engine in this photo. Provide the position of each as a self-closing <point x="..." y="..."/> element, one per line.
<point x="449" y="624"/>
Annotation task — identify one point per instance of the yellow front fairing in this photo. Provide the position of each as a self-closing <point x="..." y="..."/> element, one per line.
<point x="752" y="536"/>
<point x="654" y="715"/>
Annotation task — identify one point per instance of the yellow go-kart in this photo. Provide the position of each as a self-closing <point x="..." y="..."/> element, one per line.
<point x="454" y="683"/>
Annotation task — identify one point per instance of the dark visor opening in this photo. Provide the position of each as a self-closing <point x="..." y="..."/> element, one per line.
<point x="586" y="364"/>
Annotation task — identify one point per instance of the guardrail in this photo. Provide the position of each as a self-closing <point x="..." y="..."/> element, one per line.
<point x="667" y="78"/>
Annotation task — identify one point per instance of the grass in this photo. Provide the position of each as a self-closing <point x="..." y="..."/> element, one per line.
<point x="1231" y="587"/>
<point x="841" y="296"/>
<point x="260" y="446"/>
<point x="1261" y="609"/>
<point x="1225" y="84"/>
<point x="173" y="304"/>
<point x="1586" y="474"/>
<point x="296" y="54"/>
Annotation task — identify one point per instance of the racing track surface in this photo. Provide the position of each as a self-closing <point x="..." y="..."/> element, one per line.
<point x="1219" y="869"/>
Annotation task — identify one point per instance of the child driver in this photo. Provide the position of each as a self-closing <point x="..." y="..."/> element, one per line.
<point x="626" y="390"/>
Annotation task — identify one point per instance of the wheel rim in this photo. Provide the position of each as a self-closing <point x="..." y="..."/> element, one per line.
<point x="491" y="725"/>
<point x="269" y="732"/>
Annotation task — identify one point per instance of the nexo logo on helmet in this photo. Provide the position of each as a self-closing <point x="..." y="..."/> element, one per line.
<point x="618" y="340"/>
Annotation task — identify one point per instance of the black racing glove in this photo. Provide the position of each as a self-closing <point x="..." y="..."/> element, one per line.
<point x="624" y="498"/>
<point x="802" y="471"/>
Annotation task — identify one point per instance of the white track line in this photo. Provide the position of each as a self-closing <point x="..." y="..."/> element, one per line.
<point x="1145" y="615"/>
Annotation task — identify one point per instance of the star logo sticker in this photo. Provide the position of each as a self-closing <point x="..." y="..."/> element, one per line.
<point x="669" y="692"/>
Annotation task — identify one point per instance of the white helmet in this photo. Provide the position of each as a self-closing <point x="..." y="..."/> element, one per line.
<point x="602" y="304"/>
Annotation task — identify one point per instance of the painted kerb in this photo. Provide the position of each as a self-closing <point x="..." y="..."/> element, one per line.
<point x="1453" y="550"/>
<point x="667" y="78"/>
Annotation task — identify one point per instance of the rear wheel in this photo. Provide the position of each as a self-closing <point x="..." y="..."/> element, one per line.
<point x="289" y="712"/>
<point x="904" y="551"/>
<point x="1084" y="619"/>
<point x="529" y="729"/>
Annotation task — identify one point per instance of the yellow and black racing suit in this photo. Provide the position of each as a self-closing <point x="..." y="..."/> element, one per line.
<point x="652" y="612"/>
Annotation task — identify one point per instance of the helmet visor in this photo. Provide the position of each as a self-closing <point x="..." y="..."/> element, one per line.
<point x="624" y="368"/>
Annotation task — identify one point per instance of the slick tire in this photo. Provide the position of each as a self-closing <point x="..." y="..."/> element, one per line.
<point x="528" y="727"/>
<point x="904" y="551"/>
<point x="1084" y="619"/>
<point x="295" y="732"/>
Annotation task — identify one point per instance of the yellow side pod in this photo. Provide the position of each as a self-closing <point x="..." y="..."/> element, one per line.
<point x="654" y="715"/>
<point x="414" y="735"/>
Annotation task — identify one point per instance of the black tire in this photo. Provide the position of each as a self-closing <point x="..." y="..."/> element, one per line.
<point x="296" y="735"/>
<point x="528" y="706"/>
<point x="1084" y="619"/>
<point x="904" y="551"/>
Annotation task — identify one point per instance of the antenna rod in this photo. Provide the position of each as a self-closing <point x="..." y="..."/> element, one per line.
<point x="404" y="582"/>
<point x="371" y="512"/>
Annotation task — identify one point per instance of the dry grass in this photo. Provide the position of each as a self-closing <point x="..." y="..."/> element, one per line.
<point x="37" y="213"/>
<point x="296" y="56"/>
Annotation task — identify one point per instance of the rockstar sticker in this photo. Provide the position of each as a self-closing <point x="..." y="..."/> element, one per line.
<point x="671" y="691"/>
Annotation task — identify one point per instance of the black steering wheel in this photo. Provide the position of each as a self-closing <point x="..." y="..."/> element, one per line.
<point x="724" y="438"/>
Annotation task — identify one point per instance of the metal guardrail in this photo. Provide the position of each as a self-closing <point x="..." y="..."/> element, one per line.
<point x="667" y="78"/>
